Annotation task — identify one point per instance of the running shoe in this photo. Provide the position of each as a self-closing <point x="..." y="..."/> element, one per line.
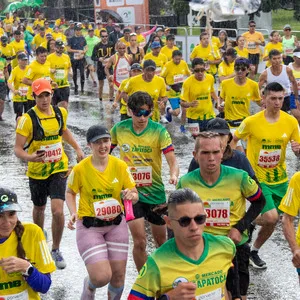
<point x="168" y="115"/>
<point x="76" y="91"/>
<point x="256" y="261"/>
<point x="58" y="259"/>
<point x="87" y="294"/>
<point x="182" y="129"/>
<point x="163" y="120"/>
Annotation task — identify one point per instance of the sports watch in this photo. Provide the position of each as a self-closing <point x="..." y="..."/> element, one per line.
<point x="164" y="297"/>
<point x="29" y="271"/>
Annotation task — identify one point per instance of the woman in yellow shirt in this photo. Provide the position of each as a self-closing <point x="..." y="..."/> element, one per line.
<point x="240" y="49"/>
<point x="274" y="44"/>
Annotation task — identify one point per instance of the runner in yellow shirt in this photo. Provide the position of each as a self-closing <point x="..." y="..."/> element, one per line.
<point x="153" y="85"/>
<point x="19" y="46"/>
<point x="209" y="53"/>
<point x="126" y="37"/>
<point x="175" y="72"/>
<point x="168" y="49"/>
<point x="159" y="58"/>
<point x="197" y="95"/>
<point x="39" y="22"/>
<point x="17" y="87"/>
<point x="254" y="40"/>
<point x="275" y="44"/>
<point x="268" y="133"/>
<point x="7" y="52"/>
<point x="39" y="39"/>
<point x="7" y="24"/>
<point x="226" y="67"/>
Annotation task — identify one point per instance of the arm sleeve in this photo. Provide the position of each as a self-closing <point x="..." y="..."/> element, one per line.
<point x="39" y="282"/>
<point x="193" y="165"/>
<point x="146" y="33"/>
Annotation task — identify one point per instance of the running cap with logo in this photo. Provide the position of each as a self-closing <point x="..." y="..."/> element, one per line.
<point x="41" y="85"/>
<point x="48" y="35"/>
<point x="97" y="132"/>
<point x="296" y="52"/>
<point x="8" y="201"/>
<point x="137" y="27"/>
<point x="4" y="39"/>
<point x="218" y="125"/>
<point x="287" y="26"/>
<point x="22" y="56"/>
<point x="155" y="45"/>
<point x="159" y="29"/>
<point x="136" y="66"/>
<point x="59" y="44"/>
<point x="149" y="63"/>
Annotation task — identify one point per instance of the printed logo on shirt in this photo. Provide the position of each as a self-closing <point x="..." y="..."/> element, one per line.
<point x="125" y="148"/>
<point x="115" y="180"/>
<point x="178" y="280"/>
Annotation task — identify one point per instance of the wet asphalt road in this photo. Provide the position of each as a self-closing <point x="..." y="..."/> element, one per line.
<point x="278" y="282"/>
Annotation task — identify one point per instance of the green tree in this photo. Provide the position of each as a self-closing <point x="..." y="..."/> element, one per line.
<point x="297" y="9"/>
<point x="181" y="7"/>
<point x="268" y="5"/>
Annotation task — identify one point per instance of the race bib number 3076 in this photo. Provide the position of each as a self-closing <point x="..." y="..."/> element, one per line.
<point x="142" y="175"/>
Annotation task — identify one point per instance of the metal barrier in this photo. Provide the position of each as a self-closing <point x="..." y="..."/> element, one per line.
<point x="191" y="28"/>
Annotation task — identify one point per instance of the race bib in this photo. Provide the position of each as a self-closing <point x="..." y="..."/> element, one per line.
<point x="53" y="153"/>
<point x="78" y="56"/>
<point x="214" y="295"/>
<point x="269" y="159"/>
<point x="158" y="71"/>
<point x="142" y="175"/>
<point x="122" y="71"/>
<point x="218" y="213"/>
<point x="178" y="78"/>
<point x="23" y="90"/>
<point x="252" y="45"/>
<point x="107" y="210"/>
<point x="59" y="74"/>
<point x="289" y="51"/>
<point x="2" y="75"/>
<point x="20" y="296"/>
<point x="47" y="78"/>
<point x="194" y="128"/>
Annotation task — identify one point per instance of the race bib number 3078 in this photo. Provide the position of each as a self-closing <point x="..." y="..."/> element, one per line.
<point x="218" y="213"/>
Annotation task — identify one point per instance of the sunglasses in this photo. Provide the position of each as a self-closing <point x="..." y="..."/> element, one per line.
<point x="142" y="112"/>
<point x="243" y="69"/>
<point x="202" y="70"/>
<point x="287" y="29"/>
<point x="186" y="221"/>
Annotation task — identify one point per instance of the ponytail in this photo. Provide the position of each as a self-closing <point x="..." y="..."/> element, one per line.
<point x="19" y="229"/>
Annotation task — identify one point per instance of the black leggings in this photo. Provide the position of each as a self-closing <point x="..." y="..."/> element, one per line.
<point x="78" y="64"/>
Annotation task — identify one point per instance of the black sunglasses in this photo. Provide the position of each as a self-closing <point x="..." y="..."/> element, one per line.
<point x="243" y="69"/>
<point x="142" y="112"/>
<point x="202" y="70"/>
<point x="186" y="221"/>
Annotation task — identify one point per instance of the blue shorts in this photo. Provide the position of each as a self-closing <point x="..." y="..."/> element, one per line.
<point x="175" y="102"/>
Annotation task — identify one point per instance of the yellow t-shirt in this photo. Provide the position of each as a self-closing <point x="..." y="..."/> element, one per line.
<point x="56" y="159"/>
<point x="296" y="75"/>
<point x="38" y="40"/>
<point x="156" y="89"/>
<point x="37" y="252"/>
<point x="141" y="40"/>
<point x="216" y="41"/>
<point x="29" y="28"/>
<point x="94" y="185"/>
<point x="8" y="24"/>
<point x="242" y="53"/>
<point x="208" y="53"/>
<point x="15" y="79"/>
<point x="122" y="39"/>
<point x="123" y="107"/>
<point x="290" y="203"/>
<point x="2" y="32"/>
<point x="270" y="46"/>
<point x="168" y="52"/>
<point x="159" y="60"/>
<point x="267" y="143"/>
<point x="250" y="41"/>
<point x="59" y="36"/>
<point x="48" y="30"/>
<point x="38" y="22"/>
<point x="225" y="70"/>
<point x="61" y="64"/>
<point x="36" y="71"/>
<point x="175" y="73"/>
<point x="7" y="51"/>
<point x="18" y="47"/>
<point x="194" y="89"/>
<point x="98" y="32"/>
<point x="237" y="98"/>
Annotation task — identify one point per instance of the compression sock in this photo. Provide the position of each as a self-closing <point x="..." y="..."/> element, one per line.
<point x="115" y="293"/>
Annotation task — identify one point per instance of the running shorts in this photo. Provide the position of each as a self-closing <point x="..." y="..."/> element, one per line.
<point x="61" y="94"/>
<point x="145" y="210"/>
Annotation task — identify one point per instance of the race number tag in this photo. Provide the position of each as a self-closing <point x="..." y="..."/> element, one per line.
<point x="23" y="90"/>
<point x="20" y="296"/>
<point x="2" y="75"/>
<point x="214" y="295"/>
<point x="78" y="55"/>
<point x="158" y="71"/>
<point x="251" y="45"/>
<point x="218" y="213"/>
<point x="178" y="78"/>
<point x="269" y="159"/>
<point x="59" y="74"/>
<point x="193" y="128"/>
<point x="142" y="175"/>
<point x="123" y="71"/>
<point x="107" y="210"/>
<point x="289" y="51"/>
<point x="53" y="153"/>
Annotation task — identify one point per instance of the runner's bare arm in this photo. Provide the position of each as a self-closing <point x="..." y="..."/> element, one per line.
<point x="71" y="203"/>
<point x="27" y="81"/>
<point x="68" y="137"/>
<point x="234" y="141"/>
<point x="108" y="66"/>
<point x="293" y="81"/>
<point x="289" y="233"/>
<point x="173" y="165"/>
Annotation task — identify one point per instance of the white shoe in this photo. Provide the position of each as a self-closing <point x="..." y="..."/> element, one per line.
<point x="163" y="120"/>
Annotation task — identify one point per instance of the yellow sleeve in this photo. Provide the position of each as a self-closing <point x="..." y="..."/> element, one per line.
<point x="185" y="91"/>
<point x="74" y="182"/>
<point x="193" y="54"/>
<point x="65" y="116"/>
<point x="221" y="70"/>
<point x="128" y="88"/>
<point x="163" y="89"/>
<point x="25" y="126"/>
<point x="243" y="130"/>
<point x="12" y="76"/>
<point x="295" y="135"/>
<point x="29" y="74"/>
<point x="129" y="182"/>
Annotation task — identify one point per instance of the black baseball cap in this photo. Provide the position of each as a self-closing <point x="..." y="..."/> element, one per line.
<point x="22" y="56"/>
<point x="126" y="30"/>
<point x="8" y="201"/>
<point x="170" y="37"/>
<point x="149" y="63"/>
<point x="4" y="38"/>
<point x="218" y="125"/>
<point x="97" y="132"/>
<point x="136" y="66"/>
<point x="137" y="27"/>
<point x="59" y="44"/>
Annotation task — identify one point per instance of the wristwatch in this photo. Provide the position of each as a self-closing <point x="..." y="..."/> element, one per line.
<point x="164" y="297"/>
<point x="29" y="271"/>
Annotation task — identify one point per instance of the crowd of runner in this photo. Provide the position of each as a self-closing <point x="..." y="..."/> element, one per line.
<point x="203" y="229"/>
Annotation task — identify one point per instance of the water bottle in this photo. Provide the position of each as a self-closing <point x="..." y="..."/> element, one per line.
<point x="128" y="210"/>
